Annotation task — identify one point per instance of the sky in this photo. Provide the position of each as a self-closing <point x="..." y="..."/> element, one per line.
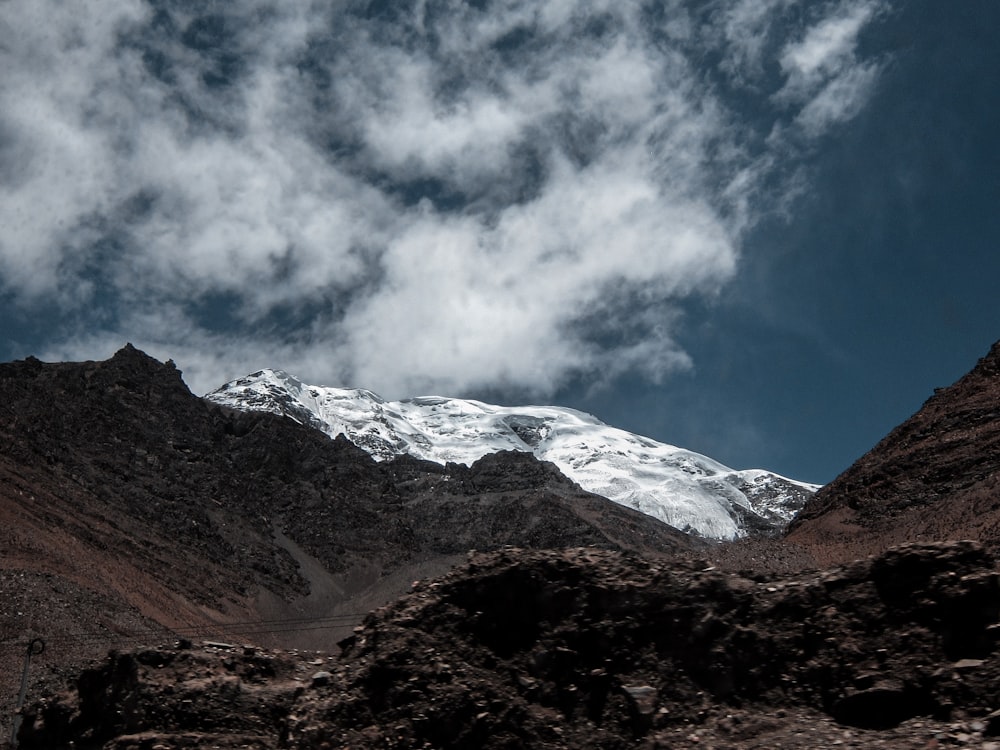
<point x="764" y="230"/>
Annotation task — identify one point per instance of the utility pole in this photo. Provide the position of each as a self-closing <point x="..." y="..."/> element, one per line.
<point x="36" y="647"/>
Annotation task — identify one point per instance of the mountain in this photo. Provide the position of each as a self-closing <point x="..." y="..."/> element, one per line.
<point x="936" y="476"/>
<point x="679" y="487"/>
<point x="193" y="544"/>
<point x="130" y="509"/>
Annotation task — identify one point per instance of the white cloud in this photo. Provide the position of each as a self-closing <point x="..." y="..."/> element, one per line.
<point x="839" y="100"/>
<point x="824" y="77"/>
<point x="443" y="202"/>
<point x="497" y="303"/>
<point x="826" y="48"/>
<point x="63" y="167"/>
<point x="746" y="27"/>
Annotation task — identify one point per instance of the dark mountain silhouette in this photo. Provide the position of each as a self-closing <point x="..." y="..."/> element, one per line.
<point x="131" y="507"/>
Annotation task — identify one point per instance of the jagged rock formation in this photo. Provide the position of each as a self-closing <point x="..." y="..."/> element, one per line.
<point x="589" y="649"/>
<point x="936" y="476"/>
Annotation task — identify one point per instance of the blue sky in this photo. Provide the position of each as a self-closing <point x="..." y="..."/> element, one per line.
<point x="760" y="229"/>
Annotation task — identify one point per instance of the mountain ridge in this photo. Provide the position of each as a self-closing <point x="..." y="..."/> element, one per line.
<point x="682" y="488"/>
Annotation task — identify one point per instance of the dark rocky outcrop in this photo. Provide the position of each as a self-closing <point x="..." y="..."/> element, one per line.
<point x="588" y="648"/>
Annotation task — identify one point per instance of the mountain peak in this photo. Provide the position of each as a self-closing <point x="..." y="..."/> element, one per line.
<point x="687" y="490"/>
<point x="990" y="364"/>
<point x="129" y="353"/>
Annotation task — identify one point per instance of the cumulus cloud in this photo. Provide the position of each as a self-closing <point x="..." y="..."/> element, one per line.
<point x="413" y="197"/>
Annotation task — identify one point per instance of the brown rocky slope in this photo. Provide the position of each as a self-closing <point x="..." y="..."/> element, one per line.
<point x="936" y="476"/>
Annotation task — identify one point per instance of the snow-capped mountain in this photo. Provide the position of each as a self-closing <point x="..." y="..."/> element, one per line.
<point x="684" y="489"/>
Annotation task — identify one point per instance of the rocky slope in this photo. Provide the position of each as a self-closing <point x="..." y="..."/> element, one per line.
<point x="679" y="487"/>
<point x="589" y="649"/>
<point x="936" y="476"/>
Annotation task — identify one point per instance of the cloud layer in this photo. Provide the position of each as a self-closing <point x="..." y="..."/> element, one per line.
<point x="413" y="197"/>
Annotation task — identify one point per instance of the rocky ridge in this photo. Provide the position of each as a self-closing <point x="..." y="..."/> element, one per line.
<point x="936" y="476"/>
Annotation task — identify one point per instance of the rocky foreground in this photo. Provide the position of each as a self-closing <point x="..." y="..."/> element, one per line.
<point x="589" y="648"/>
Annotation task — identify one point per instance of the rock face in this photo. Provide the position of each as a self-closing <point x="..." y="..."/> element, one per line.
<point x="589" y="648"/>
<point x="936" y="476"/>
<point x="685" y="489"/>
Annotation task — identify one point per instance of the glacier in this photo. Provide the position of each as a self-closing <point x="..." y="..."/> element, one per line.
<point x="685" y="489"/>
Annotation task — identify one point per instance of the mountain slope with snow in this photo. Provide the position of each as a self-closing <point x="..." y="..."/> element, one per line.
<point x="684" y="489"/>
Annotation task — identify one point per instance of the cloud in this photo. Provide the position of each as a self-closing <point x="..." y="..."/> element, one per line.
<point x="409" y="197"/>
<point x="840" y="99"/>
<point x="746" y="29"/>
<point x="824" y="76"/>
<point x="826" y="48"/>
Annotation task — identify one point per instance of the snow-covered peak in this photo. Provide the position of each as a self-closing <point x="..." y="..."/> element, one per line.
<point x="685" y="489"/>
